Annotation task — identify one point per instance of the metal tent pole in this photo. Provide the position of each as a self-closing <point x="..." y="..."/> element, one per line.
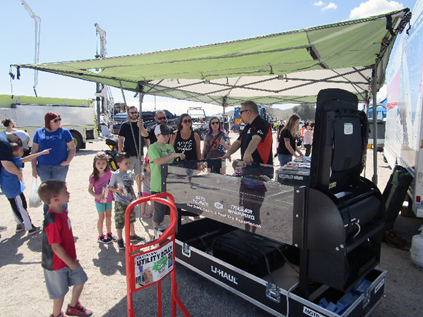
<point x="374" y="93"/>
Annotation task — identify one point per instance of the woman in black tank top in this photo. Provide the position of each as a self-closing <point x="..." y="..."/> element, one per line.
<point x="185" y="140"/>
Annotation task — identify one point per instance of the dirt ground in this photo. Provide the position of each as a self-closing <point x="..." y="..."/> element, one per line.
<point x="22" y="281"/>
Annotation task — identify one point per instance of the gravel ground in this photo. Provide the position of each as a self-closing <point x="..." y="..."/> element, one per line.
<point x="22" y="280"/>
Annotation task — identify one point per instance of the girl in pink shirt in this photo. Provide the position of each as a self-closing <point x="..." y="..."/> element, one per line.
<point x="99" y="188"/>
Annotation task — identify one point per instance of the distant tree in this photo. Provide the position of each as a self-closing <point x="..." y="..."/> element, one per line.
<point x="305" y="111"/>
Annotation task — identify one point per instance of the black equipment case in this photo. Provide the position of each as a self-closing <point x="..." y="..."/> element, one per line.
<point x="328" y="233"/>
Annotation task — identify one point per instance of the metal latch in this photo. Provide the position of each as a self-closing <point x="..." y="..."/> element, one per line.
<point x="186" y="250"/>
<point x="272" y="292"/>
<point x="366" y="300"/>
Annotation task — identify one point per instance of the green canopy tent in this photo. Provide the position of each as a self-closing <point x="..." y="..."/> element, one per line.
<point x="288" y="67"/>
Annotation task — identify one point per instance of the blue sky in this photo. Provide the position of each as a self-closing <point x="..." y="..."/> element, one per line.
<point x="68" y="33"/>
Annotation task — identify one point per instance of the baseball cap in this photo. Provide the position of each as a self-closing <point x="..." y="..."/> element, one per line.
<point x="162" y="129"/>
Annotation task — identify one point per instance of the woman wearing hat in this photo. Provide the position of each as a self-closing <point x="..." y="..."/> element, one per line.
<point x="56" y="164"/>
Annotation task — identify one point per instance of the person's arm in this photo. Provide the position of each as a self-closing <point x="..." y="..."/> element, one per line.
<point x="288" y="146"/>
<point x="252" y="146"/>
<point x="298" y="150"/>
<point x="34" y="149"/>
<point x="172" y="140"/>
<point x="234" y="147"/>
<point x="144" y="132"/>
<point x="71" y="153"/>
<point x="12" y="168"/>
<point x="92" y="193"/>
<point x="33" y="156"/>
<point x="120" y="143"/>
<point x="61" y="253"/>
<point x="164" y="160"/>
<point x="204" y="153"/>
<point x="197" y="145"/>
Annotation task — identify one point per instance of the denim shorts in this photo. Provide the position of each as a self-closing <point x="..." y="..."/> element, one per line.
<point x="58" y="282"/>
<point x="101" y="207"/>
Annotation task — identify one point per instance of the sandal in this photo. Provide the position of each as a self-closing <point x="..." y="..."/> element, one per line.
<point x="144" y="216"/>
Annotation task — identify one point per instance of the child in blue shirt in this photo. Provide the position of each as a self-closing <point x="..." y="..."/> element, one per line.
<point x="13" y="188"/>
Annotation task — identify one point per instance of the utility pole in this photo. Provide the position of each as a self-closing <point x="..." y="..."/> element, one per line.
<point x="37" y="20"/>
<point x="102" y="90"/>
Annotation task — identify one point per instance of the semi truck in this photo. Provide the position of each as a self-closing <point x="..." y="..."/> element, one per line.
<point x="78" y="115"/>
<point x="404" y="118"/>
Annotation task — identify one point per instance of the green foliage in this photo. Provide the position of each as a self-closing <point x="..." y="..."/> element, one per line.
<point x="305" y="111"/>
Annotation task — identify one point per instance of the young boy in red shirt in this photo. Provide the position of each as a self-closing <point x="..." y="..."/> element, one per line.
<point x="61" y="268"/>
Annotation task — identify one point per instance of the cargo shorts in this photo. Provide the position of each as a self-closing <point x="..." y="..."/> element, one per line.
<point x="120" y="215"/>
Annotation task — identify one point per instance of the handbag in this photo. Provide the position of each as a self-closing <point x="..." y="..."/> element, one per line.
<point x="34" y="199"/>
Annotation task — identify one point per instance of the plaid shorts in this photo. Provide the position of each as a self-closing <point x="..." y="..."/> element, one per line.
<point x="120" y="215"/>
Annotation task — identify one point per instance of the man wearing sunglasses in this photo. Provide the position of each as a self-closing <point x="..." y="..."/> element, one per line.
<point x="255" y="140"/>
<point x="159" y="118"/>
<point x="129" y="139"/>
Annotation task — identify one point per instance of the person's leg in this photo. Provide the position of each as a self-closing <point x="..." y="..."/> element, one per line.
<point x="60" y="172"/>
<point x="45" y="173"/>
<point x="76" y="292"/>
<point x="100" y="223"/>
<point x="143" y="209"/>
<point x="57" y="306"/>
<point x="108" y="213"/>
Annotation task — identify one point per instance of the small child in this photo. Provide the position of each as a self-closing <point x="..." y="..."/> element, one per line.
<point x="146" y="180"/>
<point x="61" y="267"/>
<point x="121" y="184"/>
<point x="99" y="188"/>
<point x="13" y="188"/>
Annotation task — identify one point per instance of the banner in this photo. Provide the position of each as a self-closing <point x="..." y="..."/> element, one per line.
<point x="152" y="266"/>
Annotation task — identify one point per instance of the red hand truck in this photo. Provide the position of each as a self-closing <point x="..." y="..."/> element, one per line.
<point x="150" y="267"/>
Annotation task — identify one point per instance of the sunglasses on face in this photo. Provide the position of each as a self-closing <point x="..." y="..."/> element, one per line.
<point x="57" y="120"/>
<point x="133" y="112"/>
<point x="244" y="111"/>
<point x="216" y="122"/>
<point x="186" y="121"/>
<point x="161" y="118"/>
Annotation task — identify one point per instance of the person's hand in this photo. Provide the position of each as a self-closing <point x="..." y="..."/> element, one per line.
<point x="248" y="159"/>
<point x="224" y="157"/>
<point x="20" y="176"/>
<point x="140" y="122"/>
<point x="98" y="196"/>
<point x="47" y="151"/>
<point x="181" y="156"/>
<point x="64" y="163"/>
<point x="74" y="265"/>
<point x="34" y="173"/>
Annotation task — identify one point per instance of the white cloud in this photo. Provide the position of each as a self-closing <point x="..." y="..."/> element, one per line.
<point x="318" y="4"/>
<point x="374" y="7"/>
<point x="330" y="6"/>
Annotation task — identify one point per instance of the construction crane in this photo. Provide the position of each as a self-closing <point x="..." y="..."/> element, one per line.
<point x="37" y="20"/>
<point x="103" y="92"/>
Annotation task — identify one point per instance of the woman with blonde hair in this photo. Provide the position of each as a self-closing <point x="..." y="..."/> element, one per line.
<point x="287" y="141"/>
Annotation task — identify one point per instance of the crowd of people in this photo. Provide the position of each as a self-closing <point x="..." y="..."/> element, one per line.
<point x="53" y="149"/>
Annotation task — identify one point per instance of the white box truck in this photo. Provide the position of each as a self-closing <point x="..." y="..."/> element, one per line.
<point x="28" y="113"/>
<point x="404" y="120"/>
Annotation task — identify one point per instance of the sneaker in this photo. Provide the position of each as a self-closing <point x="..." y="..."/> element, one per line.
<point x="136" y="238"/>
<point x="395" y="241"/>
<point x="20" y="227"/>
<point x="103" y="239"/>
<point x="121" y="244"/>
<point x="61" y="315"/>
<point x="78" y="310"/>
<point x="112" y="237"/>
<point x="34" y="230"/>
